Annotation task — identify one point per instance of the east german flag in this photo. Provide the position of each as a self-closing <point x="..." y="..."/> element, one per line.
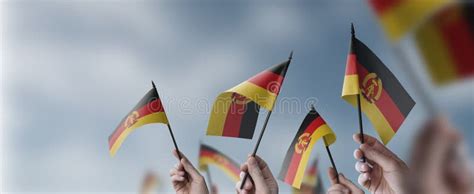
<point x="209" y="155"/>
<point x="446" y="43"/>
<point x="148" y="110"/>
<point x="384" y="100"/>
<point x="398" y="17"/>
<point x="235" y="111"/>
<point x="311" y="130"/>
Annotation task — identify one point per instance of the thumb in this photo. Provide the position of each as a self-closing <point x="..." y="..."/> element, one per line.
<point x="378" y="154"/>
<point x="255" y="172"/>
<point x="189" y="168"/>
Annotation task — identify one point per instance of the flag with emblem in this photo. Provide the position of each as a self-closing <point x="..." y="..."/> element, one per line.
<point x="398" y="17"/>
<point x="235" y="111"/>
<point x="311" y="130"/>
<point x="210" y="156"/>
<point x="148" y="110"/>
<point x="446" y="43"/>
<point x="384" y="100"/>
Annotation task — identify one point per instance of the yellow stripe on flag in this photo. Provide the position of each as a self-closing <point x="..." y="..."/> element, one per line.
<point x="259" y="95"/>
<point x="405" y="16"/>
<point x="376" y="117"/>
<point x="322" y="131"/>
<point x="351" y="85"/>
<point x="219" y="114"/>
<point x="158" y="117"/>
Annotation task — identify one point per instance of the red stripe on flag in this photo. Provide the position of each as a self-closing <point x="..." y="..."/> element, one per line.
<point x="233" y="120"/>
<point x="351" y="65"/>
<point x="381" y="6"/>
<point x="459" y="38"/>
<point x="268" y="80"/>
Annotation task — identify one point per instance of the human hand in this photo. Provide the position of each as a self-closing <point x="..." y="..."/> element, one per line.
<point x="383" y="172"/>
<point x="263" y="180"/>
<point x="186" y="179"/>
<point x="344" y="186"/>
<point x="439" y="164"/>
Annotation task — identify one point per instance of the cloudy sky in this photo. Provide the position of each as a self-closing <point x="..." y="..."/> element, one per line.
<point x="72" y="69"/>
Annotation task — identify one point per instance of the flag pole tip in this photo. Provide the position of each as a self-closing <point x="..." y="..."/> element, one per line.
<point x="352" y="29"/>
<point x="153" y="84"/>
<point x="312" y="107"/>
<point x="291" y="55"/>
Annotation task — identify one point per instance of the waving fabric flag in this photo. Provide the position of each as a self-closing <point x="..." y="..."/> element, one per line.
<point x="398" y="17"/>
<point x="446" y="43"/>
<point x="385" y="102"/>
<point x="235" y="111"/>
<point x="148" y="110"/>
<point x="311" y="130"/>
<point x="209" y="155"/>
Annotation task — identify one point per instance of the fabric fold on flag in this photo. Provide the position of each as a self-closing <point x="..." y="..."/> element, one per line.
<point x="148" y="110"/>
<point x="383" y="99"/>
<point x="311" y="130"/>
<point x="210" y="156"/>
<point x="235" y="111"/>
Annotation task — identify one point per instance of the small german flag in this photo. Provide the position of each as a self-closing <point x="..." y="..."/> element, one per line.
<point x="311" y="130"/>
<point x="235" y="111"/>
<point x="148" y="110"/>
<point x="446" y="43"/>
<point x="209" y="155"/>
<point x="385" y="102"/>
<point x="398" y="17"/>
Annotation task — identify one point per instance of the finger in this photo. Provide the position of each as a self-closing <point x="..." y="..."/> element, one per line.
<point x="189" y="168"/>
<point x="175" y="154"/>
<point x="255" y="172"/>
<point x="244" y="167"/>
<point x="346" y="182"/>
<point x="363" y="179"/>
<point x="358" y="154"/>
<point x="382" y="156"/>
<point x="177" y="178"/>
<point x="332" y="176"/>
<point x="362" y="167"/>
<point x="367" y="139"/>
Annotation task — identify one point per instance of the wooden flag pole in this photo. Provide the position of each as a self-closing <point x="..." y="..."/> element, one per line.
<point x="169" y="128"/>
<point x="254" y="153"/>
<point x="359" y="107"/>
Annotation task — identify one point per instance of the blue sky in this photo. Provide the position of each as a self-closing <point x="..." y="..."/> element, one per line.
<point x="71" y="70"/>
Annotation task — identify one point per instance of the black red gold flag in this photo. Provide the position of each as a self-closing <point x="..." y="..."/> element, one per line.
<point x="235" y="111"/>
<point x="148" y="110"/>
<point x="210" y="156"/>
<point x="311" y="130"/>
<point x="385" y="102"/>
<point x="446" y="43"/>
